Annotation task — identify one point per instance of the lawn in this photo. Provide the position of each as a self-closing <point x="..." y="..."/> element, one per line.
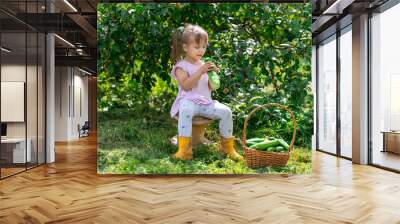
<point x="139" y="143"/>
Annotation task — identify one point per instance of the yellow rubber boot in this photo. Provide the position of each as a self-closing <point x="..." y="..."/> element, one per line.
<point x="184" y="148"/>
<point x="228" y="146"/>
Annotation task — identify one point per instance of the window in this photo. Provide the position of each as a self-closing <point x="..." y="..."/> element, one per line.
<point x="385" y="87"/>
<point x="346" y="92"/>
<point x="327" y="95"/>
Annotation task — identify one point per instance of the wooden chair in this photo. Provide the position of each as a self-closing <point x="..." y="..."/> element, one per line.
<point x="199" y="125"/>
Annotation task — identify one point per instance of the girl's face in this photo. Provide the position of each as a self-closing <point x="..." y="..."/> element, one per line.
<point x="195" y="51"/>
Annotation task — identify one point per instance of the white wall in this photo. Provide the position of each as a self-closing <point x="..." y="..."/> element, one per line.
<point x="62" y="81"/>
<point x="80" y="100"/>
<point x="13" y="72"/>
<point x="70" y="83"/>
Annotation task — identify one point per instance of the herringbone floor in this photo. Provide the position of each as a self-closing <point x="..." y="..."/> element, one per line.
<point x="70" y="191"/>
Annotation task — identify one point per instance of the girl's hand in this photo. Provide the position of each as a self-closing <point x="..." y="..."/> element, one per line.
<point x="208" y="66"/>
<point x="214" y="67"/>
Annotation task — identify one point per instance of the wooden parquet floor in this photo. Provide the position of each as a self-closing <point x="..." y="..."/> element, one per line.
<point x="70" y="191"/>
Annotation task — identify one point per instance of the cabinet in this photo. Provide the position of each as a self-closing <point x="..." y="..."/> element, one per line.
<point x="391" y="142"/>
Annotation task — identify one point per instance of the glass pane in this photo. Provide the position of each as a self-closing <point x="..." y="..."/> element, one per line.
<point x="386" y="89"/>
<point x="41" y="99"/>
<point x="31" y="97"/>
<point x="13" y="87"/>
<point x="346" y="92"/>
<point x="32" y="84"/>
<point x="327" y="95"/>
<point x="22" y="79"/>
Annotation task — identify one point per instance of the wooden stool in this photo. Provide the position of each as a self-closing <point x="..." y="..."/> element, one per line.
<point x="199" y="125"/>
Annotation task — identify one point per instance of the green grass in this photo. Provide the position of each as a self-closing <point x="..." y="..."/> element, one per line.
<point x="139" y="143"/>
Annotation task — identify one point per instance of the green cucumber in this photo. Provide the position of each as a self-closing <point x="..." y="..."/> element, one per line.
<point x="255" y="140"/>
<point x="280" y="148"/>
<point x="283" y="143"/>
<point x="276" y="149"/>
<point x="265" y="144"/>
<point x="214" y="79"/>
<point x="271" y="149"/>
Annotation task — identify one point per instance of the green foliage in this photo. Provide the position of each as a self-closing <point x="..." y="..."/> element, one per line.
<point x="262" y="50"/>
<point x="131" y="142"/>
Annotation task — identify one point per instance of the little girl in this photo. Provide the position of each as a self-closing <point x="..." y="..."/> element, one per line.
<point x="194" y="97"/>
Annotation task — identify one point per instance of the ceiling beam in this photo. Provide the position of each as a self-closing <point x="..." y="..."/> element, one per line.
<point x="82" y="61"/>
<point x="202" y="1"/>
<point x="49" y="22"/>
<point x="337" y="7"/>
<point x="320" y="23"/>
<point x="86" y="26"/>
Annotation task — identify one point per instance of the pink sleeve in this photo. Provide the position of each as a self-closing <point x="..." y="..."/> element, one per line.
<point x="177" y="65"/>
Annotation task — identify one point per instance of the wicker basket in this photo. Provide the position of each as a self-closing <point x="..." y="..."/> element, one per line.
<point x="257" y="158"/>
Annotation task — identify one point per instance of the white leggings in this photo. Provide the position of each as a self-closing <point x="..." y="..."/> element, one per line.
<point x="216" y="110"/>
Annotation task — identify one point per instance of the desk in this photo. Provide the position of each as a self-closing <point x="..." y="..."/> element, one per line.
<point x="16" y="147"/>
<point x="391" y="141"/>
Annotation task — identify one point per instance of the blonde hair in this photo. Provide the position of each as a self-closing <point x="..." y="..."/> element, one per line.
<point x="184" y="35"/>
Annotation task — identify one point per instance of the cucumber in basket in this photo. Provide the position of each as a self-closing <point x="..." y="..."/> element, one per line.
<point x="276" y="149"/>
<point x="255" y="139"/>
<point x="271" y="149"/>
<point x="252" y="141"/>
<point x="265" y="144"/>
<point x="283" y="143"/>
<point x="275" y="145"/>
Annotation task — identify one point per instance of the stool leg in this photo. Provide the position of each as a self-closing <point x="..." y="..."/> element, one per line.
<point x="198" y="134"/>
